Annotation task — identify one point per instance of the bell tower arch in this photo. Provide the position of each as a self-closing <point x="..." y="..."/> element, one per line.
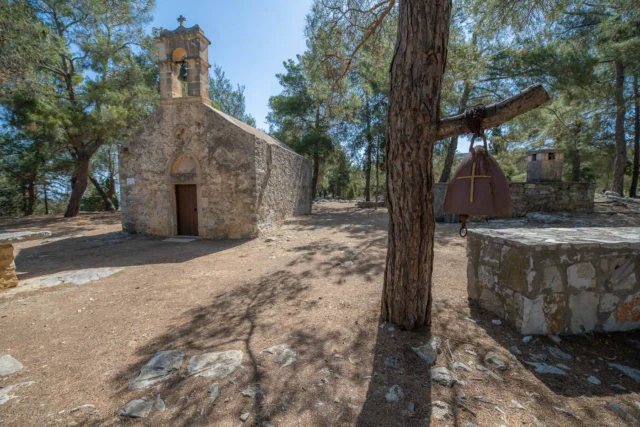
<point x="183" y="60"/>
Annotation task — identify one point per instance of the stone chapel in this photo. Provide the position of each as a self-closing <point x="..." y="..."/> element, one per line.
<point x="192" y="170"/>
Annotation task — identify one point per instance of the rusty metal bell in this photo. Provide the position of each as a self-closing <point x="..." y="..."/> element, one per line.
<point x="478" y="187"/>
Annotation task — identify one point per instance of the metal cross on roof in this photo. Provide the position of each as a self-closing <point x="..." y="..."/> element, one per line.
<point x="181" y="20"/>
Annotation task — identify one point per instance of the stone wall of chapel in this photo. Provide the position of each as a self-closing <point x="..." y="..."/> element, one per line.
<point x="225" y="180"/>
<point x="283" y="181"/>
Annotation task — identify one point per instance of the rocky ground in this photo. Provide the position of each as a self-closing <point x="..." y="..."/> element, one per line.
<point x="284" y="331"/>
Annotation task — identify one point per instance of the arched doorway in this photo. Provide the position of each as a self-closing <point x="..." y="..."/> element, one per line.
<point x="184" y="175"/>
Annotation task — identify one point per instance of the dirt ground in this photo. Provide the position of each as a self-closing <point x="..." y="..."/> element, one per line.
<point x="314" y="284"/>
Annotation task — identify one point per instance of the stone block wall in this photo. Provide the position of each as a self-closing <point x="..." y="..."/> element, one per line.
<point x="8" y="278"/>
<point x="535" y="197"/>
<point x="283" y="187"/>
<point x="551" y="197"/>
<point x="552" y="281"/>
<point x="234" y="193"/>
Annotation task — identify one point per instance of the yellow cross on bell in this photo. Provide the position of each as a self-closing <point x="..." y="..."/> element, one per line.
<point x="473" y="178"/>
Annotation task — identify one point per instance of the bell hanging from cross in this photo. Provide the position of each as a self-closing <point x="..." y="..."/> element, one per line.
<point x="182" y="76"/>
<point x="478" y="187"/>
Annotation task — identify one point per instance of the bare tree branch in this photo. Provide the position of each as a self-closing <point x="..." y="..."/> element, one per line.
<point x="496" y="114"/>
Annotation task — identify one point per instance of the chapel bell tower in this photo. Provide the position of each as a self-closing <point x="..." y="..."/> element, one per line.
<point x="183" y="59"/>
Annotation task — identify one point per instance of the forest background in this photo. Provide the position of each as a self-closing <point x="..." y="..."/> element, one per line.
<point x="78" y="77"/>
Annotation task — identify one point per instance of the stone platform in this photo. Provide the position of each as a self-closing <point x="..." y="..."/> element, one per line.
<point x="8" y="278"/>
<point x="557" y="280"/>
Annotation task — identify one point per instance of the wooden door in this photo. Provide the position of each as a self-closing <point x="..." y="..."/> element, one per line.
<point x="187" y="208"/>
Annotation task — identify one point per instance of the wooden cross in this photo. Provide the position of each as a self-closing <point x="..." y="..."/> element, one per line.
<point x="473" y="178"/>
<point x="181" y="20"/>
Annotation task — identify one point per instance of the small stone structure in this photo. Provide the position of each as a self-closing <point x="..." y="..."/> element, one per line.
<point x="557" y="280"/>
<point x="545" y="165"/>
<point x="8" y="278"/>
<point x="534" y="197"/>
<point x="193" y="170"/>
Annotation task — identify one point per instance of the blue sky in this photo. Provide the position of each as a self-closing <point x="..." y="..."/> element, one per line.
<point x="249" y="39"/>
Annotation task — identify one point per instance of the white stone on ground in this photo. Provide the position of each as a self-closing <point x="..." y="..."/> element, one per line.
<point x="555" y="338"/>
<point x="442" y="376"/>
<point x="76" y="277"/>
<point x="162" y="366"/>
<point x="543" y="368"/>
<point x="624" y="414"/>
<point x="216" y="364"/>
<point x="593" y="380"/>
<point x="20" y="236"/>
<point x="559" y="354"/>
<point x="214" y="391"/>
<point x="160" y="406"/>
<point x="9" y="365"/>
<point x="394" y="394"/>
<point x="254" y="390"/>
<point x="137" y="408"/>
<point x="285" y="356"/>
<point x="515" y="350"/>
<point x="461" y="367"/>
<point x="489" y="372"/>
<point x="564" y="411"/>
<point x="441" y="410"/>
<point x="179" y="240"/>
<point x="517" y="404"/>
<point x="493" y="360"/>
<point x="429" y="352"/>
<point x="5" y="393"/>
<point x="632" y="373"/>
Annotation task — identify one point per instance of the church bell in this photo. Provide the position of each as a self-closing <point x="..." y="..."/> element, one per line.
<point x="478" y="187"/>
<point x="183" y="71"/>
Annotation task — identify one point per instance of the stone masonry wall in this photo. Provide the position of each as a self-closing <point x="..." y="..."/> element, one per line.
<point x="225" y="179"/>
<point x="8" y="278"/>
<point x="283" y="184"/>
<point x="536" y="197"/>
<point x="245" y="179"/>
<point x="551" y="281"/>
<point x="551" y="197"/>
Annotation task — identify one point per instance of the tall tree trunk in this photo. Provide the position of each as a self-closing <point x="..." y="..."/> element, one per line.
<point x="575" y="165"/>
<point x="46" y="199"/>
<point x="316" y="172"/>
<point x="573" y="152"/>
<point x="111" y="190"/>
<point x="621" y="143"/>
<point x="316" y="156"/>
<point x="375" y="207"/>
<point x="79" y="183"/>
<point x="453" y="144"/>
<point x="108" y="203"/>
<point x="369" y="137"/>
<point x="31" y="198"/>
<point x="414" y="108"/>
<point x="23" y="191"/>
<point x="636" y="139"/>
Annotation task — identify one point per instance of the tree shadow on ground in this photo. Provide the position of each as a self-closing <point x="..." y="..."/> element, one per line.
<point x="114" y="249"/>
<point x="394" y="363"/>
<point x="590" y="353"/>
<point x="248" y="318"/>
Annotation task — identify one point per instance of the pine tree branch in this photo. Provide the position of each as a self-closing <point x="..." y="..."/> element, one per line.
<point x="496" y="114"/>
